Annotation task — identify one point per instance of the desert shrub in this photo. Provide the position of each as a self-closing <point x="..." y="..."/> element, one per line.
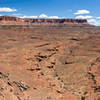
<point x="82" y="98"/>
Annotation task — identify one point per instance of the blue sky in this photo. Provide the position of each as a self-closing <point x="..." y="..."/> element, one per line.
<point x="84" y="9"/>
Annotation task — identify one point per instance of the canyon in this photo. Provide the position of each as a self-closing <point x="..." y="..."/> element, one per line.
<point x="49" y="59"/>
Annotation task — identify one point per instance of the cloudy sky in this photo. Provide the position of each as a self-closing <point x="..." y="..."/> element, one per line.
<point x="79" y="9"/>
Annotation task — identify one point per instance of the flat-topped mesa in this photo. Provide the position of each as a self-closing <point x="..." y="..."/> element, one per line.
<point x="59" y="21"/>
<point x="9" y="20"/>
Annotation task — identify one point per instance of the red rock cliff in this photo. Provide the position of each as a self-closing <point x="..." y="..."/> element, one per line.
<point x="8" y="20"/>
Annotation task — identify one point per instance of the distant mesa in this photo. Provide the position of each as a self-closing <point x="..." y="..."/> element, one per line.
<point x="9" y="20"/>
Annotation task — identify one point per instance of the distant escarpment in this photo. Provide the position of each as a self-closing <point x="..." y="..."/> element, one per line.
<point x="9" y="20"/>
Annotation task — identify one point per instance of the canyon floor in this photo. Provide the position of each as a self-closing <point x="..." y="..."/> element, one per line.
<point x="50" y="63"/>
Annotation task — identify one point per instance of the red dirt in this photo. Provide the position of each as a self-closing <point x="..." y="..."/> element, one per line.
<point x="57" y="63"/>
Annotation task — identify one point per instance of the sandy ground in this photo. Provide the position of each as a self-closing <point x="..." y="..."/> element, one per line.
<point x="50" y="63"/>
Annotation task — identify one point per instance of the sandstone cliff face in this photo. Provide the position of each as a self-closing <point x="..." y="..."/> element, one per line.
<point x="7" y="20"/>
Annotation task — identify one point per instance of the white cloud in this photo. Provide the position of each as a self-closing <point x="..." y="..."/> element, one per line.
<point x="5" y="9"/>
<point x="53" y="17"/>
<point x="97" y="17"/>
<point x="82" y="12"/>
<point x="94" y="22"/>
<point x="43" y="16"/>
<point x="29" y="17"/>
<point x="83" y="17"/>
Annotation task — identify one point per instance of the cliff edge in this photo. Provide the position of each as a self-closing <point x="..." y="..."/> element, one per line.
<point x="9" y="20"/>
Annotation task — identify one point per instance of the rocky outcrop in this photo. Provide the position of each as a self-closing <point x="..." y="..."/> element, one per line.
<point x="8" y="20"/>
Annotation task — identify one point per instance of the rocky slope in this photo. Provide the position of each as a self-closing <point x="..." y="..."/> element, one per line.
<point x="50" y="63"/>
<point x="8" y="20"/>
